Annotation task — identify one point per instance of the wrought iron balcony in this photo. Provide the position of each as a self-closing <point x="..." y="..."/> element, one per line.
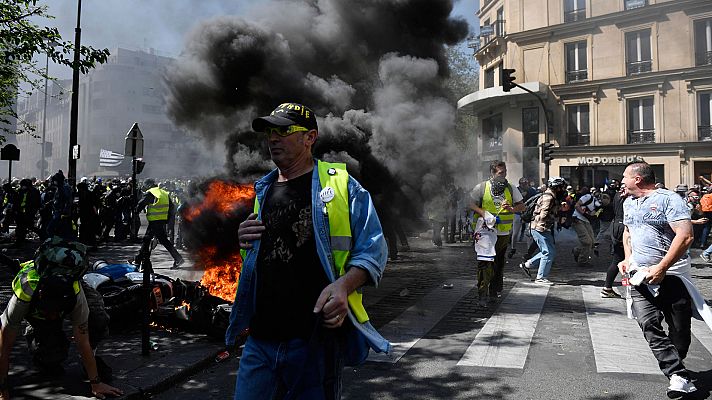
<point x="575" y="15"/>
<point x="578" y="138"/>
<point x="704" y="133"/>
<point x="497" y="31"/>
<point x="576" y="76"/>
<point x="703" y="58"/>
<point x="641" y="136"/>
<point x="639" y="67"/>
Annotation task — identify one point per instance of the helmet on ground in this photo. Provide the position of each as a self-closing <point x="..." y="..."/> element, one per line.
<point x="149" y="183"/>
<point x="556" y="182"/>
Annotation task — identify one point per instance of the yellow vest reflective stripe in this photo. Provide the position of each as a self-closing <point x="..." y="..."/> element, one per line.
<point x="158" y="211"/>
<point x="339" y="226"/>
<point x="25" y="282"/>
<point x="506" y="218"/>
<point x="335" y="176"/>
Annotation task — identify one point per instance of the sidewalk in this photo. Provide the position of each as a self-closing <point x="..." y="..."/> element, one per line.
<point x="177" y="354"/>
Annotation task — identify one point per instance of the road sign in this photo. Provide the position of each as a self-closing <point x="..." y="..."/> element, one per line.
<point x="134" y="142"/>
<point x="10" y="152"/>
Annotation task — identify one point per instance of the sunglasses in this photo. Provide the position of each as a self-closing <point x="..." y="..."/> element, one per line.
<point x="284" y="131"/>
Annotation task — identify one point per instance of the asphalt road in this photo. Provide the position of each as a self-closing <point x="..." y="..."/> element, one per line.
<point x="562" y="342"/>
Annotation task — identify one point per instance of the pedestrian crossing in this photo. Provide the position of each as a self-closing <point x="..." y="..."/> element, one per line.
<point x="506" y="338"/>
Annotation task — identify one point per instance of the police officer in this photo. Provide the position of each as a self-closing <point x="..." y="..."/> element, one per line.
<point x="158" y="206"/>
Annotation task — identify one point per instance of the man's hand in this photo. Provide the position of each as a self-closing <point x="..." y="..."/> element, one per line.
<point x="506" y="206"/>
<point x="333" y="305"/>
<point x="623" y="266"/>
<point x="101" y="389"/>
<point x="655" y="274"/>
<point x="249" y="230"/>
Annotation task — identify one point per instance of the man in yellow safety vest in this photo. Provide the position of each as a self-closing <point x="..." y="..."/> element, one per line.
<point x="158" y="206"/>
<point x="313" y="241"/>
<point x="496" y="201"/>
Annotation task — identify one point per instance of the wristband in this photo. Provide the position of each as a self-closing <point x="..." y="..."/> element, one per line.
<point x="95" y="381"/>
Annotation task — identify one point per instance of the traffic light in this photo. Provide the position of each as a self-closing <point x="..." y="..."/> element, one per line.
<point x="508" y="79"/>
<point x="547" y="152"/>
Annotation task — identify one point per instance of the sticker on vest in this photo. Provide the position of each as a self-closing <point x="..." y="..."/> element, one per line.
<point x="327" y="194"/>
<point x="331" y="171"/>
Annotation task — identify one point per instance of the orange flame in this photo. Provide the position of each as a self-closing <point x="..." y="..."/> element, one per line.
<point x="221" y="275"/>
<point x="222" y="197"/>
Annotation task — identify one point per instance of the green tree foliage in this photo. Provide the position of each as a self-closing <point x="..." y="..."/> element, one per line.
<point x="20" y="41"/>
<point x="463" y="80"/>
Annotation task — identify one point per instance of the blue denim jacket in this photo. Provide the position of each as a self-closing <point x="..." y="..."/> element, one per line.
<point x="368" y="252"/>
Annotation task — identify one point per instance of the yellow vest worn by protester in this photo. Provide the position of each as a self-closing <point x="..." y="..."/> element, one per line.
<point x="158" y="211"/>
<point x="335" y="176"/>
<point x="26" y="281"/>
<point x="506" y="218"/>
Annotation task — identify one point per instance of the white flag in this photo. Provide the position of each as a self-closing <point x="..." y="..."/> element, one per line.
<point x="108" y="158"/>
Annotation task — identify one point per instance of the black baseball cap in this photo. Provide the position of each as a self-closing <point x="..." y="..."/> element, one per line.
<point x="285" y="115"/>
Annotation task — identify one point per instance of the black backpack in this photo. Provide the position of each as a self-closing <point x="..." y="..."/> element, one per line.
<point x="528" y="214"/>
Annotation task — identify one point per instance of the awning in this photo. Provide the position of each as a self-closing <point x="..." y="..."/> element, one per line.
<point x="483" y="100"/>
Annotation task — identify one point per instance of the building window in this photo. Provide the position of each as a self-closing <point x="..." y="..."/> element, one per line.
<point x="499" y="23"/>
<point x="632" y="4"/>
<point x="703" y="42"/>
<point x="492" y="133"/>
<point x="578" y="132"/>
<point x="704" y="124"/>
<point x="489" y="77"/>
<point x="641" y="121"/>
<point x="530" y="127"/>
<point x="639" y="56"/>
<point x="576" y="62"/>
<point x="574" y="10"/>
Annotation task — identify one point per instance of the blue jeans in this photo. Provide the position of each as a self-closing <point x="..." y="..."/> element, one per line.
<point x="546" y="254"/>
<point x="708" y="251"/>
<point x="280" y="370"/>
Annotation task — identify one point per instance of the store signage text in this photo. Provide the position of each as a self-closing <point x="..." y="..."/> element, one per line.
<point x="608" y="160"/>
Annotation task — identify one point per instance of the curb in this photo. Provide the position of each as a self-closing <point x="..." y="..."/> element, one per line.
<point x="165" y="383"/>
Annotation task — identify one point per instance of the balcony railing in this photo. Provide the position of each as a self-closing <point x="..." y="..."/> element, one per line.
<point x="497" y="31"/>
<point x="578" y="138"/>
<point x="576" y="76"/>
<point x="641" y="136"/>
<point x="704" y="58"/>
<point x="704" y="133"/>
<point x="639" y="67"/>
<point x="633" y="4"/>
<point x="575" y="15"/>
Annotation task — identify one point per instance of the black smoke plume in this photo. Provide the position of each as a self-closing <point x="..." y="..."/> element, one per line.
<point x="373" y="70"/>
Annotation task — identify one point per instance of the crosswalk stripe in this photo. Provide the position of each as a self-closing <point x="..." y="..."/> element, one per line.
<point x="703" y="333"/>
<point x="405" y="330"/>
<point x="618" y="343"/>
<point x="505" y="339"/>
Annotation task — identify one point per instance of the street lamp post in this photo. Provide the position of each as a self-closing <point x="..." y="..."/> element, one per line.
<point x="44" y="122"/>
<point x="73" y="147"/>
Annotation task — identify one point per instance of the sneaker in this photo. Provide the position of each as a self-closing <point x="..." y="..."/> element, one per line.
<point x="525" y="270"/>
<point x="679" y="387"/>
<point x="706" y="257"/>
<point x="610" y="294"/>
<point x="543" y="281"/>
<point x="177" y="263"/>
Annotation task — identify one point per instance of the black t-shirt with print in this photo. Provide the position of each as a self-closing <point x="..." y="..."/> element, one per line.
<point x="289" y="274"/>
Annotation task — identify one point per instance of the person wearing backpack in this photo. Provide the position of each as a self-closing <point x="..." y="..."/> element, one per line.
<point x="45" y="291"/>
<point x="584" y="210"/>
<point x="546" y="208"/>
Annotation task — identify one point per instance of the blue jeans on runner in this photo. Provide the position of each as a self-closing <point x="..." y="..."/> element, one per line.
<point x="271" y="370"/>
<point x="546" y="254"/>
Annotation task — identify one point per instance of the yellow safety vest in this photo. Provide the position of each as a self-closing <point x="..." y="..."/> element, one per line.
<point x="335" y="176"/>
<point x="506" y="218"/>
<point x="26" y="281"/>
<point x="158" y="211"/>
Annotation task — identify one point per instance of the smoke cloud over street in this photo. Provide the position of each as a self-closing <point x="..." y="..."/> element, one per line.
<point x="373" y="70"/>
